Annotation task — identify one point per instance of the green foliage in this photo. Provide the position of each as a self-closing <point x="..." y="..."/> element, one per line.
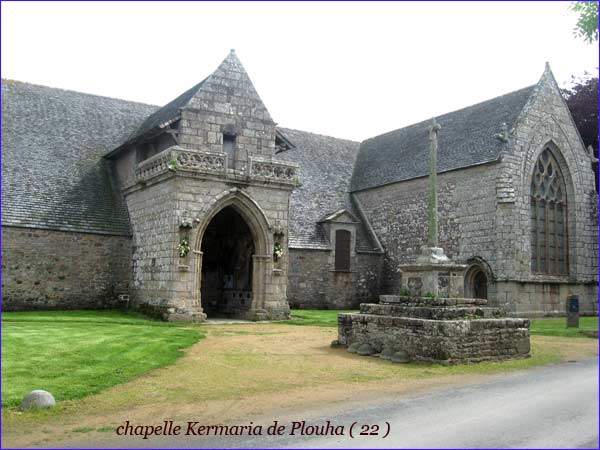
<point x="172" y="165"/>
<point x="277" y="251"/>
<point x="430" y="295"/>
<point x="77" y="353"/>
<point x="558" y="327"/>
<point x="587" y="23"/>
<point x="316" y="317"/>
<point x="404" y="292"/>
<point x="582" y="100"/>
<point x="183" y="247"/>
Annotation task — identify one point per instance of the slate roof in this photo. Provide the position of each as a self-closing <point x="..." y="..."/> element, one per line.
<point x="53" y="174"/>
<point x="466" y="139"/>
<point x="167" y="113"/>
<point x="325" y="169"/>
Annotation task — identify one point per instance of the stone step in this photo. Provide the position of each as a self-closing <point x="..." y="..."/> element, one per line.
<point x="431" y="312"/>
<point x="429" y="301"/>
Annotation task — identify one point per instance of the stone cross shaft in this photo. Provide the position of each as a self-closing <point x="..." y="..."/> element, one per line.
<point x="432" y="235"/>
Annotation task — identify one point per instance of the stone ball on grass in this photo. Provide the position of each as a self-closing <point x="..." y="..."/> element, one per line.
<point x="38" y="399"/>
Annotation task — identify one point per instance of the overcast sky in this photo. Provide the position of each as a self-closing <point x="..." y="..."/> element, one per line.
<point x="351" y="70"/>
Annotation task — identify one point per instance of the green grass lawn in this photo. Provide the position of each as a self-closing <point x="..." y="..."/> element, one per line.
<point x="76" y="353"/>
<point x="541" y="327"/>
<point x="558" y="327"/>
<point x="316" y="317"/>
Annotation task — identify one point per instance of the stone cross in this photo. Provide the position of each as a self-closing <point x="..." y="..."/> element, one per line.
<point x="432" y="236"/>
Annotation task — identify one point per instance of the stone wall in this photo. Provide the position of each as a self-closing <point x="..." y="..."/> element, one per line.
<point x="484" y="214"/>
<point x="444" y="341"/>
<point x="545" y="299"/>
<point x="44" y="269"/>
<point x="313" y="284"/>
<point x="466" y="211"/>
<point x="171" y="201"/>
<point x="546" y="122"/>
<point x="168" y="284"/>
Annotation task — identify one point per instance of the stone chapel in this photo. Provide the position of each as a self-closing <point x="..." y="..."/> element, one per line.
<point x="205" y="207"/>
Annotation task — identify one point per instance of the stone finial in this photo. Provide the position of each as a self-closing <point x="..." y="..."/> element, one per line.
<point x="503" y="135"/>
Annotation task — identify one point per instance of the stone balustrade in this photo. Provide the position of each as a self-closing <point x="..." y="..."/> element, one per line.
<point x="176" y="159"/>
<point x="273" y="171"/>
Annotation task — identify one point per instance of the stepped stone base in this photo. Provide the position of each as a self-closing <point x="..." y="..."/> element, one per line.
<point x="447" y="331"/>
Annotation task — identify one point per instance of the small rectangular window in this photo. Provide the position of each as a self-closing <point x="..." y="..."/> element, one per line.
<point x="229" y="148"/>
<point x="342" y="250"/>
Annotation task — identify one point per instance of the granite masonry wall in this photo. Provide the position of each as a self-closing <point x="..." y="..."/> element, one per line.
<point x="169" y="284"/>
<point x="484" y="214"/>
<point x="314" y="284"/>
<point x="442" y="341"/>
<point x="44" y="269"/>
<point x="175" y="193"/>
<point x="546" y="122"/>
<point x="466" y="219"/>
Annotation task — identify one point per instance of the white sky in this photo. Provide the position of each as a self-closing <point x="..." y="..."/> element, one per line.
<point x="351" y="70"/>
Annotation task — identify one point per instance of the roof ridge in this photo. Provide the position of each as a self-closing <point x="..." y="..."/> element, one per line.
<point x="421" y="122"/>
<point x="319" y="134"/>
<point x="12" y="81"/>
<point x="181" y="100"/>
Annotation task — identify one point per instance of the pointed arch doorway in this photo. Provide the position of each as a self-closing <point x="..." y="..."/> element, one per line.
<point x="476" y="282"/>
<point x="227" y="265"/>
<point x="232" y="258"/>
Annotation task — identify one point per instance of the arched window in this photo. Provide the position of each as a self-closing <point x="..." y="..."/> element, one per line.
<point x="549" y="245"/>
<point x="342" y="250"/>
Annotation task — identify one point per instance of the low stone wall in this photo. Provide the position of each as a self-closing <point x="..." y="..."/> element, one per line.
<point x="442" y="341"/>
<point x="44" y="269"/>
<point x="447" y="331"/>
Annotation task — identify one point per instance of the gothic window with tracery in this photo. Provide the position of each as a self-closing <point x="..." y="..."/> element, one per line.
<point x="549" y="246"/>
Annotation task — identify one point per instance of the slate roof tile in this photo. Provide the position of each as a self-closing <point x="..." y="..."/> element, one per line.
<point x="466" y="139"/>
<point x="325" y="168"/>
<point x="53" y="174"/>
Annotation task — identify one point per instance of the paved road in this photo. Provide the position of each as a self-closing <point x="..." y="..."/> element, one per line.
<point x="551" y="407"/>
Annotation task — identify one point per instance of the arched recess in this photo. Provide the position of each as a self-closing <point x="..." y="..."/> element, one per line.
<point x="258" y="226"/>
<point x="552" y="203"/>
<point x="478" y="279"/>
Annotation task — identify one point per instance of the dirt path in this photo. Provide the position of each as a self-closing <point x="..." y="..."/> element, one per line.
<point x="258" y="372"/>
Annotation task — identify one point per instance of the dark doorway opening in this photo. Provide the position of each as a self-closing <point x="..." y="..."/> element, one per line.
<point x="227" y="249"/>
<point x="476" y="283"/>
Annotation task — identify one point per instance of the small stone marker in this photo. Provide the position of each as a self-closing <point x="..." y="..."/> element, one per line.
<point x="38" y="399"/>
<point x="573" y="311"/>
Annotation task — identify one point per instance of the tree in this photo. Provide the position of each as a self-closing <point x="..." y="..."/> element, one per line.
<point x="587" y="24"/>
<point x="582" y="100"/>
